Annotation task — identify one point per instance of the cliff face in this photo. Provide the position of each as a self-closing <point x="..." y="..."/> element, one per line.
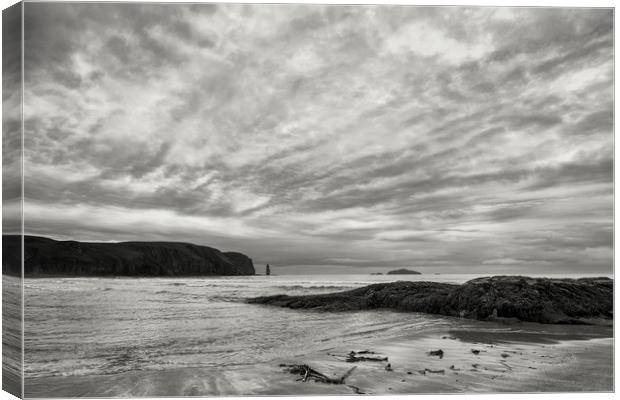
<point x="569" y="301"/>
<point x="45" y="256"/>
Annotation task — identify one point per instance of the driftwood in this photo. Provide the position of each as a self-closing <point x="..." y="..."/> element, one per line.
<point x="356" y="390"/>
<point x="432" y="371"/>
<point x="354" y="357"/>
<point x="306" y="372"/>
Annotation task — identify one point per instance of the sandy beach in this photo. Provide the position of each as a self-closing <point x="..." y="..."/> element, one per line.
<point x="527" y="359"/>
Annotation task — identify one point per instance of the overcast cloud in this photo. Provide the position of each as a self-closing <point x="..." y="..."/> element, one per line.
<point x="442" y="139"/>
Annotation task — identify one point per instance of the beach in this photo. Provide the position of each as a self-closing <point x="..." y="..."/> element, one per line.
<point x="536" y="363"/>
<point x="126" y="337"/>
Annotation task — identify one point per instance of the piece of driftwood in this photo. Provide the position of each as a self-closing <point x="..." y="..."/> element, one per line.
<point x="356" y="390"/>
<point x="438" y="353"/>
<point x="432" y="371"/>
<point x="306" y="372"/>
<point x="354" y="357"/>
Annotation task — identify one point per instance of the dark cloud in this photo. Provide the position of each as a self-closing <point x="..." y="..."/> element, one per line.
<point x="330" y="136"/>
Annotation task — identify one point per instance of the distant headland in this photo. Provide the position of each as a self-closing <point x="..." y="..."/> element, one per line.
<point x="44" y="256"/>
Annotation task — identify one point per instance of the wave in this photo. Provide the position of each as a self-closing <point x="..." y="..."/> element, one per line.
<point x="314" y="287"/>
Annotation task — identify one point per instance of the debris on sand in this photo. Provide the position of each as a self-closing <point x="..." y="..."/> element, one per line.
<point x="306" y="372"/>
<point x="504" y="355"/>
<point x="475" y="351"/>
<point x="356" y="390"/>
<point x="453" y="368"/>
<point x="355" y="357"/>
<point x="438" y="353"/>
<point x="388" y="367"/>
<point x="432" y="371"/>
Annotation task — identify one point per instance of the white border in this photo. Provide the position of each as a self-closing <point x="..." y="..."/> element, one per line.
<point x="486" y="3"/>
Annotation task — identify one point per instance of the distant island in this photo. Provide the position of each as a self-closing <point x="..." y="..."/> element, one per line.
<point x="44" y="256"/>
<point x="404" y="271"/>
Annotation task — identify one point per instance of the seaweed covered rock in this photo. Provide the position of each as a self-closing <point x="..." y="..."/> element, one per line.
<point x="544" y="300"/>
<point x="534" y="299"/>
<point x="411" y="296"/>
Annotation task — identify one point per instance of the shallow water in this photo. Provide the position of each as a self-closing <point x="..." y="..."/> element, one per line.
<point x="103" y="326"/>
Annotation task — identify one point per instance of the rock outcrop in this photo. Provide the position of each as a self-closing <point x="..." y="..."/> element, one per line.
<point x="544" y="300"/>
<point x="44" y="256"/>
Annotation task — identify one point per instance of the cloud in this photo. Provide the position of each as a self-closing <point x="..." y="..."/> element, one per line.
<point x="336" y="136"/>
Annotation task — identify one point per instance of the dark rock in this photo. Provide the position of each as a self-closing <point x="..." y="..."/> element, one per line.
<point x="43" y="256"/>
<point x="544" y="300"/>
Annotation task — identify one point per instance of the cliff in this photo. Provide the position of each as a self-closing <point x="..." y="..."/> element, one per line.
<point x="544" y="300"/>
<point x="45" y="256"/>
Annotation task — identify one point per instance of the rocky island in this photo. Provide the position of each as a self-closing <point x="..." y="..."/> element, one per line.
<point x="507" y="298"/>
<point x="403" y="271"/>
<point x="44" y="256"/>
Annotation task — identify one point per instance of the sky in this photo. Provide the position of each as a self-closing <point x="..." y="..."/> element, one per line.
<point x="326" y="139"/>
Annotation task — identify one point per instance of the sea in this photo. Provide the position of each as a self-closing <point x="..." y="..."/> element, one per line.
<point x="104" y="326"/>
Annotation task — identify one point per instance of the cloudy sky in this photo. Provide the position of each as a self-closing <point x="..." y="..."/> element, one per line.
<point x="442" y="139"/>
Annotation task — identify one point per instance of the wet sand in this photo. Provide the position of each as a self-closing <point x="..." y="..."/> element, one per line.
<point x="511" y="361"/>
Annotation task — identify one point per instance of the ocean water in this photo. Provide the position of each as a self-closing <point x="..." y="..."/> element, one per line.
<point x="104" y="326"/>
